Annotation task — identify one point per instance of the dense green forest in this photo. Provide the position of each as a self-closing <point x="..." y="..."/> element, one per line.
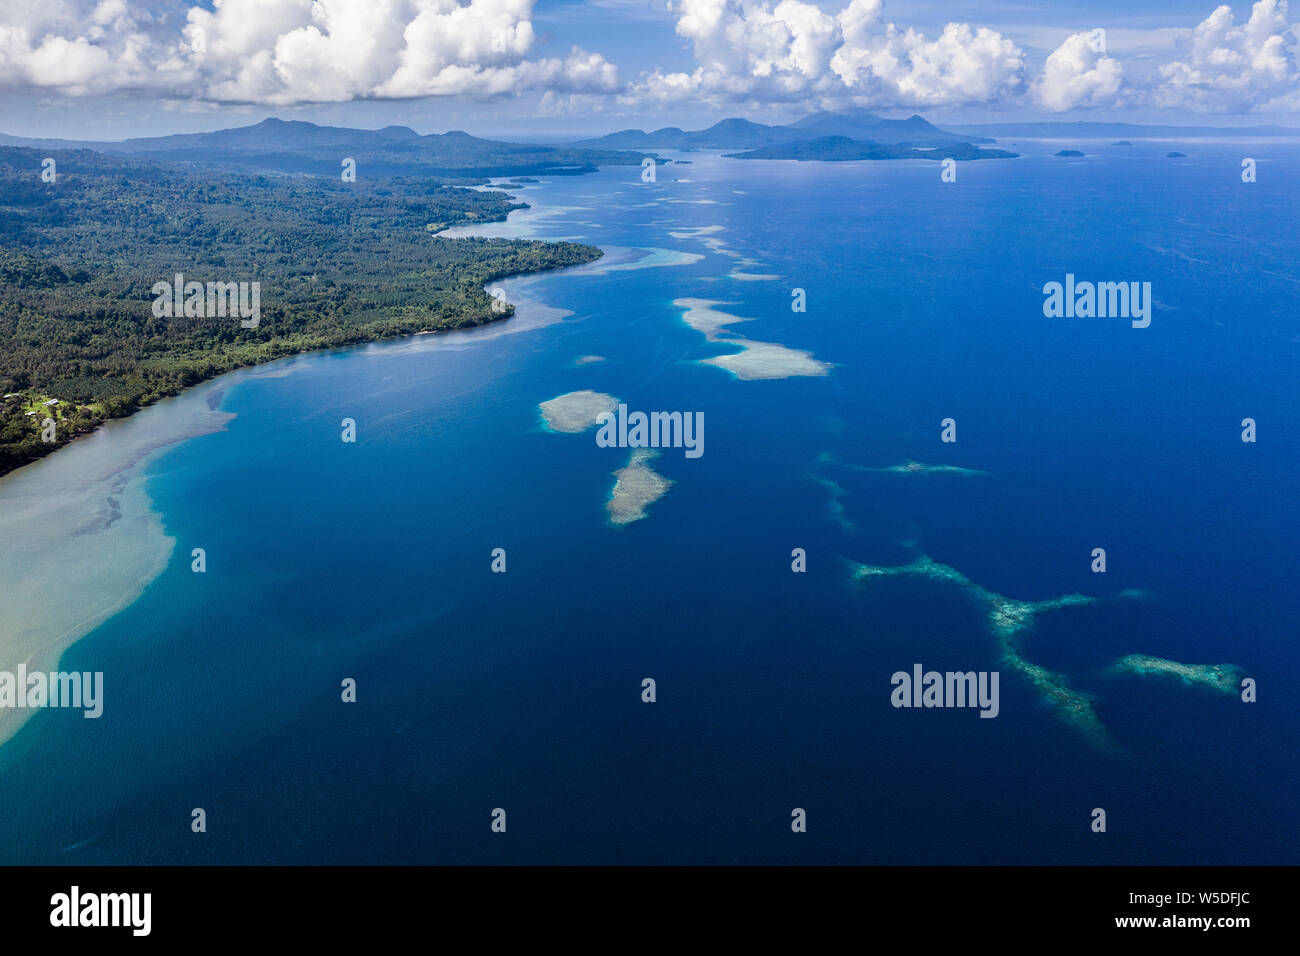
<point x="338" y="264"/>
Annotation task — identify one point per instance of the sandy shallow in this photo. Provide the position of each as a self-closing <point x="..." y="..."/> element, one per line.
<point x="575" y="412"/>
<point x="82" y="515"/>
<point x="636" y="487"/>
<point x="632" y="259"/>
<point x="768" y="360"/>
<point x="756" y="360"/>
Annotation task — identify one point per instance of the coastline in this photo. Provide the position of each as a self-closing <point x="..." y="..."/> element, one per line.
<point x="449" y="232"/>
<point x="83" y="511"/>
<point x="86" y="516"/>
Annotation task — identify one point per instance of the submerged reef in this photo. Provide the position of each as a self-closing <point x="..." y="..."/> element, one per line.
<point x="919" y="468"/>
<point x="909" y="467"/>
<point x="1224" y="678"/>
<point x="1010" y="621"/>
<point x="838" y="513"/>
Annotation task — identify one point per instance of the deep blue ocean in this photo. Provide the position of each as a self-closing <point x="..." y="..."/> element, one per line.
<point x="522" y="690"/>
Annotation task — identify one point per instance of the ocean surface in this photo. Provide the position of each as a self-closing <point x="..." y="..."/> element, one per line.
<point x="522" y="690"/>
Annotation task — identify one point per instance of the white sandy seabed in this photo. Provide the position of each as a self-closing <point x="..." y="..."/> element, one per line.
<point x="79" y="539"/>
<point x="756" y="360"/>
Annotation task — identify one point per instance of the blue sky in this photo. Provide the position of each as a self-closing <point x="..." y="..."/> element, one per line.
<point x="116" y="68"/>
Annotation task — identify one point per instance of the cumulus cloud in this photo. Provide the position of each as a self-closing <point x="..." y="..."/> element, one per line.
<point x="283" y="52"/>
<point x="745" y="49"/>
<point x="72" y="45"/>
<point x="806" y="52"/>
<point x="794" y="50"/>
<point x="1229" y="68"/>
<point x="1078" y="74"/>
<point x="964" y="64"/>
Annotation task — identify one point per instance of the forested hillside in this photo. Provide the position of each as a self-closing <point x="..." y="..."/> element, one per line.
<point x="338" y="263"/>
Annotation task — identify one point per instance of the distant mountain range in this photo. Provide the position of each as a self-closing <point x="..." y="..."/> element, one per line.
<point x="306" y="148"/>
<point x="743" y="134"/>
<point x="268" y="134"/>
<point x="299" y="147"/>
<point x="858" y="134"/>
<point x="285" y="146"/>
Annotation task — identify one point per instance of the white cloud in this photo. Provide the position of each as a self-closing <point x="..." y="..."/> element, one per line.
<point x="795" y="52"/>
<point x="746" y="48"/>
<point x="568" y="105"/>
<point x="72" y="45"/>
<point x="891" y="66"/>
<point x="1078" y="74"/>
<point x="1229" y="68"/>
<point x="749" y="49"/>
<point x="289" y="51"/>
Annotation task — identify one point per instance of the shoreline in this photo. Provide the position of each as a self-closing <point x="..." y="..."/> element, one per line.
<point x="123" y="554"/>
<point x="87" y="512"/>
<point x="91" y="521"/>
<point x="445" y="233"/>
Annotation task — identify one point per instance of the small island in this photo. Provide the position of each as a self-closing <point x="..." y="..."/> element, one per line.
<point x="1069" y="152"/>
<point x="1175" y="155"/>
<point x="1121" y="142"/>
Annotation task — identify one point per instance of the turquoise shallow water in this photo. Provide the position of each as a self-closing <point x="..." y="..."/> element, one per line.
<point x="522" y="690"/>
